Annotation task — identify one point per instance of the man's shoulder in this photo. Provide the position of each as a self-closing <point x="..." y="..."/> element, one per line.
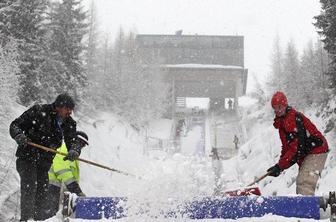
<point x="294" y="115"/>
<point x="34" y="109"/>
<point x="291" y="113"/>
<point x="44" y="109"/>
<point x="290" y="120"/>
<point x="41" y="107"/>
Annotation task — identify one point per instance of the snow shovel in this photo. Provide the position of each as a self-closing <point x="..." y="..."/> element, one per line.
<point x="248" y="190"/>
<point x="83" y="160"/>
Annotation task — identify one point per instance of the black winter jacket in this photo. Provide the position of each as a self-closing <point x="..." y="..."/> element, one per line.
<point x="39" y="124"/>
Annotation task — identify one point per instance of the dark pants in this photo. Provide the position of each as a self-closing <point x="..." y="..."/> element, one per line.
<point x="54" y="193"/>
<point x="34" y="187"/>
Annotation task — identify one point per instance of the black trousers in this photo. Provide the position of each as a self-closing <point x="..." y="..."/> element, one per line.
<point x="34" y="188"/>
<point x="54" y="193"/>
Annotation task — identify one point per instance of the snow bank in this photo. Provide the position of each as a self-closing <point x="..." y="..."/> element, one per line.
<point x="174" y="178"/>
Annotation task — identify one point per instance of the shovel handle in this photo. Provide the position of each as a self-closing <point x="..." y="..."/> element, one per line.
<point x="82" y="160"/>
<point x="259" y="179"/>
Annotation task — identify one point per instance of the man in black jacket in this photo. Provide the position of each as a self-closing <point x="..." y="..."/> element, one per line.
<point x="47" y="125"/>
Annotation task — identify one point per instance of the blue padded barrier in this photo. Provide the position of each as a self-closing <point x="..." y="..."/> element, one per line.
<point x="238" y="207"/>
<point x="100" y="207"/>
<point x="208" y="208"/>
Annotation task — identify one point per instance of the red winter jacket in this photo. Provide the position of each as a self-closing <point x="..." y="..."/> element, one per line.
<point x="298" y="140"/>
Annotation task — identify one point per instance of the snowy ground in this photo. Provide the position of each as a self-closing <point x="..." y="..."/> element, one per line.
<point x="169" y="178"/>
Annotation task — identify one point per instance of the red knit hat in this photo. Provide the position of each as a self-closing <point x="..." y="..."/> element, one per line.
<point x="279" y="98"/>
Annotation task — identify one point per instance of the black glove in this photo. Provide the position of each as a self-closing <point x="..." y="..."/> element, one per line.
<point x="72" y="155"/>
<point x="21" y="139"/>
<point x="274" y="171"/>
<point x="75" y="188"/>
<point x="81" y="194"/>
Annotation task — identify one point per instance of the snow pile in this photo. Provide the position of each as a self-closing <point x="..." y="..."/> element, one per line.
<point x="165" y="182"/>
<point x="9" y="179"/>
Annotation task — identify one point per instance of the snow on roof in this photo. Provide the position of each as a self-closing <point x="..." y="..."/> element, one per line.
<point x="201" y="66"/>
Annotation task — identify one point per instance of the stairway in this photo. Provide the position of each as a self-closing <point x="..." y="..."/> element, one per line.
<point x="222" y="131"/>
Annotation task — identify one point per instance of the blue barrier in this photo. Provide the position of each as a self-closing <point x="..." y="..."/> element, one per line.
<point x="100" y="207"/>
<point x="208" y="208"/>
<point x="238" y="207"/>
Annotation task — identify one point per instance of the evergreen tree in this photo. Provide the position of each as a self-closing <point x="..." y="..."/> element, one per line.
<point x="68" y="27"/>
<point x="326" y="24"/>
<point x="276" y="81"/>
<point x="23" y="21"/>
<point x="118" y="69"/>
<point x="91" y="63"/>
<point x="105" y="83"/>
<point x="119" y="53"/>
<point x="144" y="90"/>
<point x="259" y="92"/>
<point x="291" y="73"/>
<point x="9" y="68"/>
<point x="322" y="61"/>
<point x="123" y="85"/>
<point x="311" y="71"/>
<point x="6" y="13"/>
<point x="308" y="74"/>
<point x="104" y="87"/>
<point x="303" y="79"/>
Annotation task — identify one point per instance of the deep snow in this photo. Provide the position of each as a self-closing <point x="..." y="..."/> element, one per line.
<point x="168" y="177"/>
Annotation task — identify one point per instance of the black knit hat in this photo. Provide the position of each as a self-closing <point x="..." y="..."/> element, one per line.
<point x="65" y="100"/>
<point x="83" y="137"/>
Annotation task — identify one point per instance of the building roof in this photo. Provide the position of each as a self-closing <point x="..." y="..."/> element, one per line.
<point x="201" y="66"/>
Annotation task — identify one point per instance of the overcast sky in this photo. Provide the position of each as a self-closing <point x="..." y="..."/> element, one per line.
<point x="256" y="20"/>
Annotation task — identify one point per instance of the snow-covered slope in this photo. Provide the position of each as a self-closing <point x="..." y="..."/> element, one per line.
<point x="263" y="148"/>
<point x="172" y="179"/>
<point x="9" y="179"/>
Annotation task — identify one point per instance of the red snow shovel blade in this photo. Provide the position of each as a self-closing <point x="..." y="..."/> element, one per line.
<point x="243" y="192"/>
<point x="249" y="190"/>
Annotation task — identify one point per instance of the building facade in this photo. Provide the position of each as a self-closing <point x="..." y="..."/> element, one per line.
<point x="198" y="65"/>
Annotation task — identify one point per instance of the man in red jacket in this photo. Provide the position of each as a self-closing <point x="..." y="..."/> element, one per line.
<point x="302" y="143"/>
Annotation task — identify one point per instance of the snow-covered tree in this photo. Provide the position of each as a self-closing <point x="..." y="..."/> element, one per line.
<point x="91" y="53"/>
<point x="143" y="89"/>
<point x="291" y="73"/>
<point x="303" y="80"/>
<point x="322" y="61"/>
<point x="326" y="24"/>
<point x="106" y="80"/>
<point x="259" y="92"/>
<point x="312" y="76"/>
<point x="122" y="85"/>
<point x="23" y="21"/>
<point x="53" y="71"/>
<point x="68" y="26"/>
<point x="6" y="11"/>
<point x="308" y="72"/>
<point x="275" y="80"/>
<point x="102" y="84"/>
<point x="9" y="71"/>
<point x="92" y="64"/>
<point x="144" y="94"/>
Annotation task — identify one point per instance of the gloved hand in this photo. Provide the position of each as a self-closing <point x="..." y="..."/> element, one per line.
<point x="274" y="170"/>
<point x="21" y="139"/>
<point x="81" y="194"/>
<point x="75" y="188"/>
<point x="72" y="155"/>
